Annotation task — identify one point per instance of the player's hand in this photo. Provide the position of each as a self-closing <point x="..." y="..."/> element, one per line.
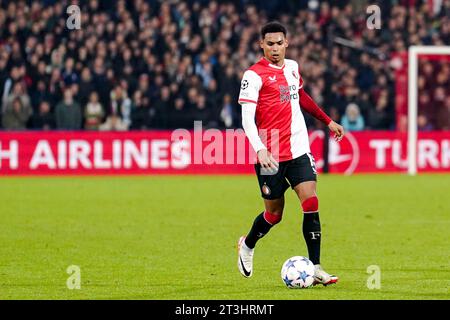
<point x="337" y="129"/>
<point x="266" y="160"/>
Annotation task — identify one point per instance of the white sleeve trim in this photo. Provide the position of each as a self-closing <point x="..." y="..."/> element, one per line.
<point x="250" y="128"/>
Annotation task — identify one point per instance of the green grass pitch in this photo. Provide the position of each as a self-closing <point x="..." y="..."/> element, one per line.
<point x="171" y="237"/>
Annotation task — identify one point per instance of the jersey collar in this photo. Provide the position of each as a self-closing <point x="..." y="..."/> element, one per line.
<point x="267" y="63"/>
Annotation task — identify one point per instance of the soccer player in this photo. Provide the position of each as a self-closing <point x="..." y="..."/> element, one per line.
<point x="271" y="93"/>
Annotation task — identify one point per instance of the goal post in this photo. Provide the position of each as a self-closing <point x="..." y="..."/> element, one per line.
<point x="413" y="75"/>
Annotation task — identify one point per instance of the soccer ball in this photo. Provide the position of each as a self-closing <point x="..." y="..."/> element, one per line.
<point x="298" y="272"/>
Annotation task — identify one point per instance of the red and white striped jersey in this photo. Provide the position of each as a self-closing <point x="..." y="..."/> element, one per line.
<point x="280" y="122"/>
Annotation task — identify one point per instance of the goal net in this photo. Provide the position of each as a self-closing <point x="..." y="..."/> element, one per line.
<point x="428" y="85"/>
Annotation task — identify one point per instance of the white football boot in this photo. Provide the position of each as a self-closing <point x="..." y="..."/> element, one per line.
<point x="245" y="258"/>
<point x="322" y="277"/>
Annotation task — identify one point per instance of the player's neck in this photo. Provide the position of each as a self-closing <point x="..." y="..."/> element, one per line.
<point x="278" y="64"/>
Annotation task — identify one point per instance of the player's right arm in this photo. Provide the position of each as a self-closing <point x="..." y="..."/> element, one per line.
<point x="248" y="98"/>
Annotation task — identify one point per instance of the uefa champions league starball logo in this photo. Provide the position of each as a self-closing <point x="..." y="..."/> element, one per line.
<point x="244" y="84"/>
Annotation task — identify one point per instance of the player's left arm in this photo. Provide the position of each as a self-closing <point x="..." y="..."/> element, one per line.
<point x="308" y="104"/>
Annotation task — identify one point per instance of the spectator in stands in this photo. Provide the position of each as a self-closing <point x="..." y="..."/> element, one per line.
<point x="44" y="119"/>
<point x="352" y="119"/>
<point x="55" y="87"/>
<point x="140" y="114"/>
<point x="228" y="83"/>
<point x="68" y="112"/>
<point x="93" y="113"/>
<point x="443" y="115"/>
<point x="423" y="124"/>
<point x="3" y="74"/>
<point x="16" y="115"/>
<point x="16" y="76"/>
<point x="192" y="98"/>
<point x="162" y="107"/>
<point x="366" y="75"/>
<point x="214" y="100"/>
<point x="18" y="92"/>
<point x="121" y="105"/>
<point x="113" y="123"/>
<point x="85" y="86"/>
<point x="202" y="112"/>
<point x="69" y="75"/>
<point x="334" y="114"/>
<point x="178" y="117"/>
<point x="102" y="85"/>
<point x="144" y="87"/>
<point x="39" y="95"/>
<point x="227" y="113"/>
<point x="379" y="118"/>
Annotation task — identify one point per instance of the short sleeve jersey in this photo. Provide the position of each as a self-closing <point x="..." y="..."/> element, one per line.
<point x="279" y="119"/>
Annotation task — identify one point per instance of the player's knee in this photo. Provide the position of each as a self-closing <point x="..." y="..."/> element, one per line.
<point x="310" y="205"/>
<point x="273" y="217"/>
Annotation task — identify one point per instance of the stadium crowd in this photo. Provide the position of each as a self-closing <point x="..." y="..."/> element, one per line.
<point x="149" y="64"/>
